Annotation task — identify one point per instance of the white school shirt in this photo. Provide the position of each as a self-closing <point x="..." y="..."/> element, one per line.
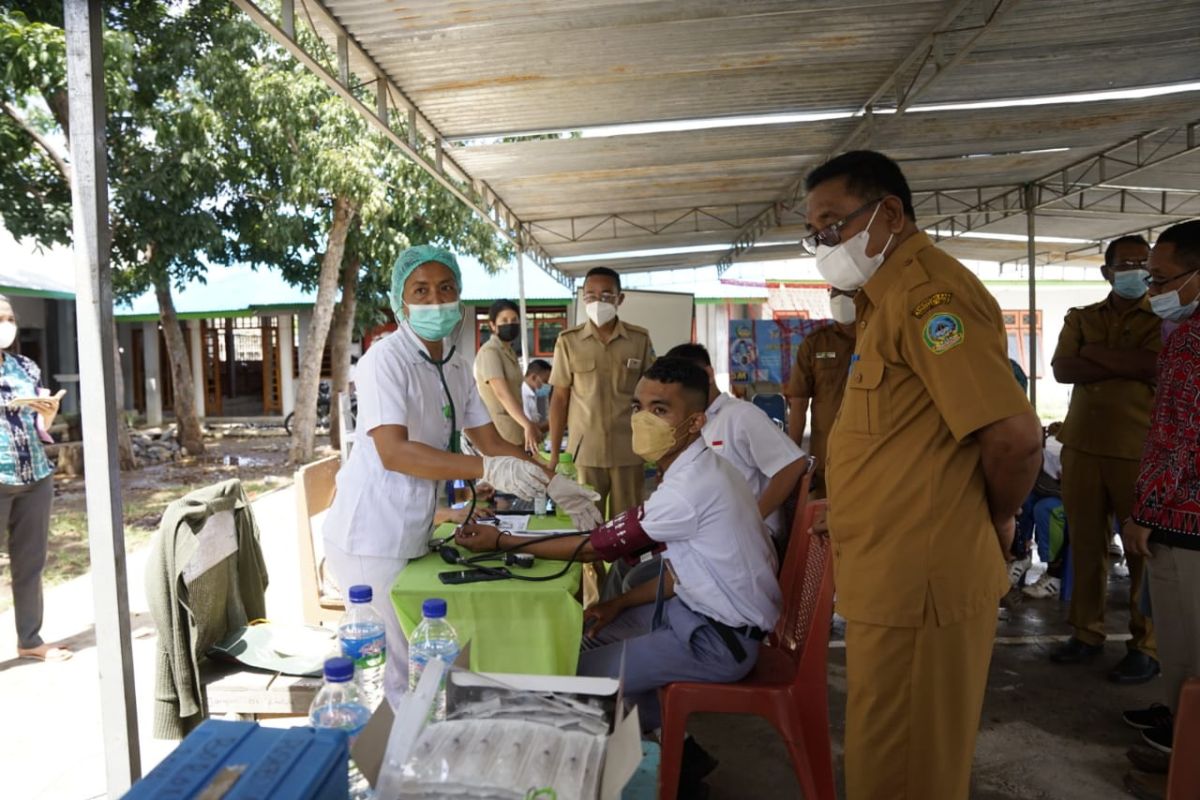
<point x="744" y="434"/>
<point x="717" y="550"/>
<point x="529" y="404"/>
<point x="378" y="512"/>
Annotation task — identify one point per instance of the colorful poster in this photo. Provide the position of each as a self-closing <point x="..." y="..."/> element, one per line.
<point x="763" y="351"/>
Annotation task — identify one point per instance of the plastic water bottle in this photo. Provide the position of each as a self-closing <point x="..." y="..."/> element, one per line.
<point x="363" y="640"/>
<point x="338" y="706"/>
<point x="433" y="638"/>
<point x="539" y="504"/>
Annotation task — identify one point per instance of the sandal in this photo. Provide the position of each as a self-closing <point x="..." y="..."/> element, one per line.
<point x="45" y="652"/>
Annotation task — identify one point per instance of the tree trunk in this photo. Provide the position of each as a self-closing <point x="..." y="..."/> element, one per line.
<point x="305" y="422"/>
<point x="343" y="333"/>
<point x="191" y="437"/>
<point x="126" y="458"/>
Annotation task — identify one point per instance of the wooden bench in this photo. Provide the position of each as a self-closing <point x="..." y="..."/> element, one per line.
<point x="234" y="691"/>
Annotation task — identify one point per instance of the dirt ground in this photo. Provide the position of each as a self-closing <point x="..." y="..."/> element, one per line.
<point x="255" y="454"/>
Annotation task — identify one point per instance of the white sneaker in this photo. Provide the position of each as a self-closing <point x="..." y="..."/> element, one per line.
<point x="1114" y="548"/>
<point x="1017" y="570"/>
<point x="1043" y="587"/>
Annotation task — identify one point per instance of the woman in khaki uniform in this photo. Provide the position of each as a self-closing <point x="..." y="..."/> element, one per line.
<point x="498" y="376"/>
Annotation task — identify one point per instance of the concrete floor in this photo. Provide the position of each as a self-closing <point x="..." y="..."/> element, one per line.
<point x="1048" y="732"/>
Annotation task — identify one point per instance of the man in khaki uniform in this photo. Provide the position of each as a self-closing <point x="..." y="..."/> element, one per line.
<point x="931" y="455"/>
<point x="819" y="375"/>
<point x="596" y="368"/>
<point x="498" y="377"/>
<point x="1108" y="351"/>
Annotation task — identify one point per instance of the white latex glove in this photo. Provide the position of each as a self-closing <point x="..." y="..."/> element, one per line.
<point x="578" y="502"/>
<point x="512" y="475"/>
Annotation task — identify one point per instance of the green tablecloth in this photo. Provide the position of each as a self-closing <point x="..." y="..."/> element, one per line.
<point x="513" y="626"/>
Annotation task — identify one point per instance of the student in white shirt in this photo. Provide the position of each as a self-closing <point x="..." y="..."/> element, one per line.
<point x="740" y="431"/>
<point x="416" y="398"/>
<point x="535" y="389"/>
<point x="720" y="594"/>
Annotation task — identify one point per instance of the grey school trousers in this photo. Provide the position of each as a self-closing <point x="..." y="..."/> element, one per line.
<point x="25" y="517"/>
<point x="1175" y="603"/>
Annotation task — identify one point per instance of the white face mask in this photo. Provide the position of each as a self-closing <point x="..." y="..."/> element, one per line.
<point x="8" y="334"/>
<point x="842" y="308"/>
<point x="1168" y="306"/>
<point x="600" y="313"/>
<point x="847" y="265"/>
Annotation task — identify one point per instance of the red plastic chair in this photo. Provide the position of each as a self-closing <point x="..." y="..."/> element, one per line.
<point x="788" y="684"/>
<point x="1183" y="780"/>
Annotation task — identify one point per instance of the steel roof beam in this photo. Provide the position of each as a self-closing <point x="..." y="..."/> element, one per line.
<point x="904" y="81"/>
<point x="439" y="163"/>
<point x="1061" y="188"/>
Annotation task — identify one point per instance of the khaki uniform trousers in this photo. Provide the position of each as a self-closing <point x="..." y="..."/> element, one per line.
<point x="914" y="699"/>
<point x="1094" y="490"/>
<point x="1174" y="575"/>
<point x="620" y="488"/>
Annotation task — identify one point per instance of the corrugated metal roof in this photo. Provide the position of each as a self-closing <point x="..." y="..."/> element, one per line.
<point x="488" y="68"/>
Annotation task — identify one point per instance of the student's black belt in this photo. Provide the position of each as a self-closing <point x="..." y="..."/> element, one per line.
<point x="729" y="635"/>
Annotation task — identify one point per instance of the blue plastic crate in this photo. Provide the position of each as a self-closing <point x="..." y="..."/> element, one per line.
<point x="283" y="764"/>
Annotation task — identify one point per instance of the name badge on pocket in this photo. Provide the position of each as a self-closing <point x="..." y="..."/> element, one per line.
<point x="826" y="354"/>
<point x="633" y="363"/>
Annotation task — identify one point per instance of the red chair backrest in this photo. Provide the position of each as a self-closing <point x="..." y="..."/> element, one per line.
<point x="806" y="581"/>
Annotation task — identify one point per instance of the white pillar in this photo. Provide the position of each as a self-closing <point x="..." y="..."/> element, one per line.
<point x="150" y="360"/>
<point x="287" y="388"/>
<point x="521" y="306"/>
<point x="193" y="326"/>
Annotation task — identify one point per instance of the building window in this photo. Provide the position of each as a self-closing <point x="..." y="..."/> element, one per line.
<point x="545" y="324"/>
<point x="1016" y="326"/>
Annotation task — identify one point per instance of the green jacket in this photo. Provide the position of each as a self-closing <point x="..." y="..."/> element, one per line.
<point x="205" y="578"/>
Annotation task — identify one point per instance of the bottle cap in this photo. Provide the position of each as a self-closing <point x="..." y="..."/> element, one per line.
<point x="339" y="669"/>
<point x="361" y="593"/>
<point x="434" y="608"/>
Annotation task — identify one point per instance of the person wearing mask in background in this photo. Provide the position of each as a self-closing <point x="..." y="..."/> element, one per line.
<point x="819" y="376"/>
<point x="1107" y="351"/>
<point x="1165" y="521"/>
<point x="535" y="390"/>
<point x="741" y="432"/>
<point x="416" y="398"/>
<point x="498" y="376"/>
<point x="933" y="451"/>
<point x="596" y="368"/>
<point x="26" y="486"/>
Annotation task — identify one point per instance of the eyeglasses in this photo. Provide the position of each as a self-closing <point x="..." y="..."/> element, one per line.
<point x="603" y="297"/>
<point x="1152" y="281"/>
<point x="831" y="235"/>
<point x="1124" y="266"/>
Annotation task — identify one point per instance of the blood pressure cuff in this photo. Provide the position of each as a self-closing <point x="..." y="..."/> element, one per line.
<point x="624" y="537"/>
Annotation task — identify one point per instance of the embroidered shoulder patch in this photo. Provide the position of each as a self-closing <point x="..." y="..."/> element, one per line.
<point x="929" y="303"/>
<point x="943" y="332"/>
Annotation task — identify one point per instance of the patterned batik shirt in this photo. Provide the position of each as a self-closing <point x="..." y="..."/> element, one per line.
<point x="22" y="457"/>
<point x="1168" y="487"/>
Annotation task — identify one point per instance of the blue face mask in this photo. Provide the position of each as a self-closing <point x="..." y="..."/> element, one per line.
<point x="543" y="390"/>
<point x="434" y="322"/>
<point x="1130" y="283"/>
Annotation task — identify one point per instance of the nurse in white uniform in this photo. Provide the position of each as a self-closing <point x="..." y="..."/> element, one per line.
<point x="416" y="398"/>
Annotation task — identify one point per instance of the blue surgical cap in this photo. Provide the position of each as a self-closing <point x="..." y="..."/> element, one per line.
<point x="414" y="257"/>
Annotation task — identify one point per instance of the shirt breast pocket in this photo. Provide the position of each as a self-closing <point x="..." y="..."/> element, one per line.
<point x="862" y="407"/>
<point x="628" y="374"/>
<point x="585" y="377"/>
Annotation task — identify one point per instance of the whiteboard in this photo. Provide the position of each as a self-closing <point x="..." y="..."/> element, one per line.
<point x="667" y="315"/>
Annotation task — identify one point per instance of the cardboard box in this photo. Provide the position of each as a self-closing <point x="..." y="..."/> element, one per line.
<point x="241" y="761"/>
<point x="389" y="739"/>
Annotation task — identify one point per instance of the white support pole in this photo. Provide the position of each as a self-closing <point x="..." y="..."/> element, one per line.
<point x="525" y="355"/>
<point x="287" y="386"/>
<point x="1033" y="340"/>
<point x="94" y="306"/>
<point x="150" y="363"/>
<point x="198" y="392"/>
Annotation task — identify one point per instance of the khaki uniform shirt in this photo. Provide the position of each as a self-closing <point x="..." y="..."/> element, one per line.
<point x="497" y="360"/>
<point x="908" y="507"/>
<point x="1109" y="418"/>
<point x="601" y="378"/>
<point x="819" y="374"/>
